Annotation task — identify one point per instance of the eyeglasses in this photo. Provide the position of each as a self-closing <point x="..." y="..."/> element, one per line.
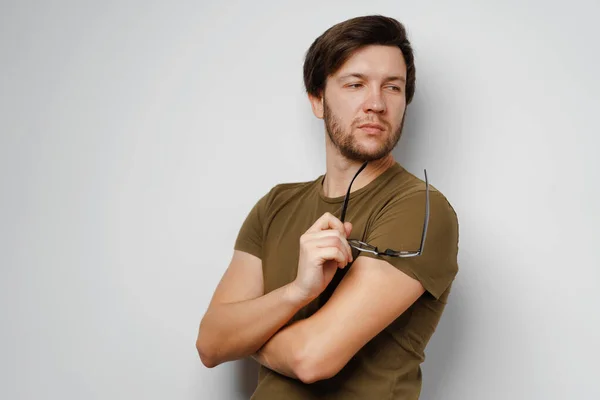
<point x="362" y="246"/>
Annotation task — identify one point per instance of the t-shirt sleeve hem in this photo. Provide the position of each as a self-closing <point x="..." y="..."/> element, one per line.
<point x="248" y="247"/>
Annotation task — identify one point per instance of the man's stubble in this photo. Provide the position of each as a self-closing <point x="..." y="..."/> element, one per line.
<point x="346" y="142"/>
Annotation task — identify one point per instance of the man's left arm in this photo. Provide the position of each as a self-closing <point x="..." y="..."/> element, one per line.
<point x="374" y="292"/>
<point x="370" y="297"/>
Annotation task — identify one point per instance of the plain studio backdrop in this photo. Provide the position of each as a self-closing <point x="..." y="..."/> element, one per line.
<point x="136" y="136"/>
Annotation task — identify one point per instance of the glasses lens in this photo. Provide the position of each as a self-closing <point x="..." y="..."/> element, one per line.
<point x="357" y="244"/>
<point x="402" y="253"/>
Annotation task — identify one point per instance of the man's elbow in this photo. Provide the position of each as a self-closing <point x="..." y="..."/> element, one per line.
<point x="206" y="355"/>
<point x="311" y="367"/>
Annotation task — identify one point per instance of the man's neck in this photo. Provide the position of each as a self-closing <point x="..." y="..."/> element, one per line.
<point x="340" y="172"/>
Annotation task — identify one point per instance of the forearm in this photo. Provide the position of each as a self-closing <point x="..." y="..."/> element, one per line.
<point x="304" y="350"/>
<point x="280" y="353"/>
<point x="236" y="330"/>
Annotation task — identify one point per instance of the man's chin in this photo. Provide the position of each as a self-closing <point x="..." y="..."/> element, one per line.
<point x="363" y="155"/>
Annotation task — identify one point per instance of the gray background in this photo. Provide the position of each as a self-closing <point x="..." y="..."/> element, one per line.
<point x="136" y="136"/>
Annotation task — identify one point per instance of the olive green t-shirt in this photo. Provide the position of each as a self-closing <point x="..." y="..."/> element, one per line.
<point x="388" y="213"/>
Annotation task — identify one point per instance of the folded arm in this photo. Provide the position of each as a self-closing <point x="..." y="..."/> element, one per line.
<point x="240" y="318"/>
<point x="370" y="297"/>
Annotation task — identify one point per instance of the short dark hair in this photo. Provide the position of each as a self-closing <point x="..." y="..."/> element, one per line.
<point x="337" y="44"/>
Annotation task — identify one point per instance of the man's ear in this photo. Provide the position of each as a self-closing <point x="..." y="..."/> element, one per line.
<point x="316" y="103"/>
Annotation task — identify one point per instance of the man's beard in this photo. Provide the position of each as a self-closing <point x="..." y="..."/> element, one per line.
<point x="347" y="144"/>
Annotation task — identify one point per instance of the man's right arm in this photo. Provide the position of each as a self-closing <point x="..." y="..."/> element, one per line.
<point x="240" y="318"/>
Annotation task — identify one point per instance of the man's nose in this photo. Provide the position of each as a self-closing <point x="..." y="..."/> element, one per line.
<point x="374" y="102"/>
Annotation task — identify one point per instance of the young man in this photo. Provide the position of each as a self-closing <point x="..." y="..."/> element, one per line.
<point x="311" y="292"/>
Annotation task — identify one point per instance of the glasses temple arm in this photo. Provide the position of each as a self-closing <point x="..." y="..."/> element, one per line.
<point x="343" y="216"/>
<point x="426" y="222"/>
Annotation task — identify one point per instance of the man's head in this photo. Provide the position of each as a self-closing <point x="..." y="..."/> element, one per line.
<point x="360" y="76"/>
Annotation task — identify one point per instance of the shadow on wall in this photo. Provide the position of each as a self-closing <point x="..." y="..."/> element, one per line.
<point x="246" y="377"/>
<point x="418" y="147"/>
<point x="446" y="348"/>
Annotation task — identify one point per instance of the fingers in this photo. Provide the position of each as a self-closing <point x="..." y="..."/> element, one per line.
<point x="348" y="227"/>
<point x="327" y="221"/>
<point x="330" y="238"/>
<point x="333" y="239"/>
<point x="333" y="253"/>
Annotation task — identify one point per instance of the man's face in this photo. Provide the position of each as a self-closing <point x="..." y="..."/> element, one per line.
<point x="364" y="103"/>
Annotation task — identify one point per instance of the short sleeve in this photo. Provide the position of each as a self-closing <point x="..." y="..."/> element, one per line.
<point x="399" y="226"/>
<point x="250" y="235"/>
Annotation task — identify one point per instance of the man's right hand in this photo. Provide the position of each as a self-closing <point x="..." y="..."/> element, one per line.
<point x="323" y="249"/>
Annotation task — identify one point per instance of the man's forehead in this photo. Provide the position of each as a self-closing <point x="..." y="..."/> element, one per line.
<point x="374" y="61"/>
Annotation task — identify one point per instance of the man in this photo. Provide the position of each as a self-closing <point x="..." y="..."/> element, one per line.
<point x="311" y="291"/>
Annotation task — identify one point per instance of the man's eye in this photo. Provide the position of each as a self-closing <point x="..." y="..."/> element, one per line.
<point x="395" y="88"/>
<point x="354" y="85"/>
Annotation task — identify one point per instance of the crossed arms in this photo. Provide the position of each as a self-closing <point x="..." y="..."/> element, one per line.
<point x="242" y="321"/>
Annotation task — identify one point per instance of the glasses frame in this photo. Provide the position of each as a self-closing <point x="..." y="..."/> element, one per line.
<point x="365" y="247"/>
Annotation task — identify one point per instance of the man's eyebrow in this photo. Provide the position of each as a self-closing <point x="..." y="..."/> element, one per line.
<point x="395" y="78"/>
<point x="363" y="76"/>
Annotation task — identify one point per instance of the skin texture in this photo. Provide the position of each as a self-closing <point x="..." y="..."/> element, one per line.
<point x="368" y="88"/>
<point x="364" y="92"/>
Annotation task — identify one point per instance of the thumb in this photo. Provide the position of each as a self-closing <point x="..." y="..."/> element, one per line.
<point x="348" y="228"/>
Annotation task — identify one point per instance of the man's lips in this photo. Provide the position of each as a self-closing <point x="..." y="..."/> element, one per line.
<point x="372" y="128"/>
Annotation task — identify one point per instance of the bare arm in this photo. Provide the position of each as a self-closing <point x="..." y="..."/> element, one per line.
<point x="372" y="292"/>
<point x="240" y="318"/>
<point x="280" y="358"/>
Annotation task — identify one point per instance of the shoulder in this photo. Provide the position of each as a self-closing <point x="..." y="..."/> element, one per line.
<point x="406" y="201"/>
<point x="407" y="188"/>
<point x="282" y="193"/>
